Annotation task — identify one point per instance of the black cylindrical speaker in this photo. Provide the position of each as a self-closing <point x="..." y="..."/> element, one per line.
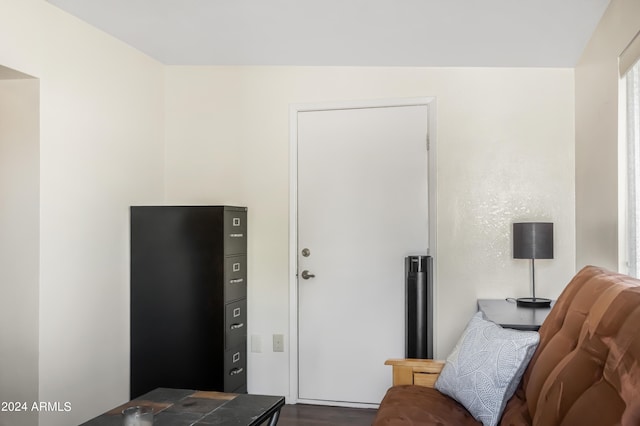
<point x="419" y="307"/>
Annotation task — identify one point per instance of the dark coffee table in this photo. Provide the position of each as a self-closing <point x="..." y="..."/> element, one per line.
<point x="183" y="407"/>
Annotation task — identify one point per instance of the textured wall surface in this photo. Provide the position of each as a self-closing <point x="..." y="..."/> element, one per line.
<point x="504" y="147"/>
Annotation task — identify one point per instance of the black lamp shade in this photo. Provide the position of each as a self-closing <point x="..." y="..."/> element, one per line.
<point x="533" y="240"/>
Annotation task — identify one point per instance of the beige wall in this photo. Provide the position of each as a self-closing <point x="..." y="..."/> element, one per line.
<point x="19" y="245"/>
<point x="101" y="150"/>
<point x="505" y="146"/>
<point x="596" y="154"/>
<point x="505" y="152"/>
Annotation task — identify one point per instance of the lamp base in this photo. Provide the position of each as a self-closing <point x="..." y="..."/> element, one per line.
<point x="533" y="302"/>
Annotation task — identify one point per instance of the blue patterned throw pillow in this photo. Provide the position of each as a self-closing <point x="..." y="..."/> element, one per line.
<point x="485" y="367"/>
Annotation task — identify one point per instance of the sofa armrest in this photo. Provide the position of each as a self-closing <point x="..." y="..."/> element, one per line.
<point x="421" y="372"/>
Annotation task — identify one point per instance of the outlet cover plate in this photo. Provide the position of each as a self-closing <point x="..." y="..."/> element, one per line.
<point x="278" y="342"/>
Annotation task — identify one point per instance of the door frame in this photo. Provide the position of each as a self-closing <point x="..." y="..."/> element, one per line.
<point x="294" y="109"/>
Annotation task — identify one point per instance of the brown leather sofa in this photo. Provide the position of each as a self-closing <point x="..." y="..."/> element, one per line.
<point x="585" y="371"/>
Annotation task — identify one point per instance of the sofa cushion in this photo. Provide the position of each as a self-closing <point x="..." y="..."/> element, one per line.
<point x="485" y="367"/>
<point x="411" y="405"/>
<point x="586" y="370"/>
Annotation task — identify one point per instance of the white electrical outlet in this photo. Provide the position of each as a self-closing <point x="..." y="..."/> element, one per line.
<point x="278" y="342"/>
<point x="256" y="343"/>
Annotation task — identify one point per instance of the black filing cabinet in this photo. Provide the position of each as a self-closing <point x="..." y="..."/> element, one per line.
<point x="188" y="298"/>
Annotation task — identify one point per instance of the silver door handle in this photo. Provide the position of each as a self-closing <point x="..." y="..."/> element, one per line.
<point x="306" y="275"/>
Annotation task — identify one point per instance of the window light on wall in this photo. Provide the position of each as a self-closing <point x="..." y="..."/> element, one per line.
<point x="629" y="63"/>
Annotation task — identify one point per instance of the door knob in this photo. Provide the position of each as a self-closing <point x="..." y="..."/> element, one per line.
<point x="306" y="275"/>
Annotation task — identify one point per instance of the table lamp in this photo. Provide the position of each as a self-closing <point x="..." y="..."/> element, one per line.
<point x="533" y="240"/>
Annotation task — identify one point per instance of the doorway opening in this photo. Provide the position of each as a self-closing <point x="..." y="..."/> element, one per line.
<point x="20" y="241"/>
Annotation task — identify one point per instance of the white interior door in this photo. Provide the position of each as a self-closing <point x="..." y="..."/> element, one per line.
<point x="362" y="207"/>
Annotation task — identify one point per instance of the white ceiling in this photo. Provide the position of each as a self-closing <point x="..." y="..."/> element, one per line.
<point x="491" y="33"/>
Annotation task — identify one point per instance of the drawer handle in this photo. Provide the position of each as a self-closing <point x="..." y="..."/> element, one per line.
<point x="237" y="326"/>
<point x="236" y="281"/>
<point x="236" y="371"/>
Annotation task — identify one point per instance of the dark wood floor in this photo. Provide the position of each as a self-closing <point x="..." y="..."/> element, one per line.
<point x="320" y="415"/>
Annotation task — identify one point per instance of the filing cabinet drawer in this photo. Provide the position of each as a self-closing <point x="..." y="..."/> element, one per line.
<point x="235" y="321"/>
<point x="235" y="368"/>
<point x="235" y="278"/>
<point x="235" y="232"/>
